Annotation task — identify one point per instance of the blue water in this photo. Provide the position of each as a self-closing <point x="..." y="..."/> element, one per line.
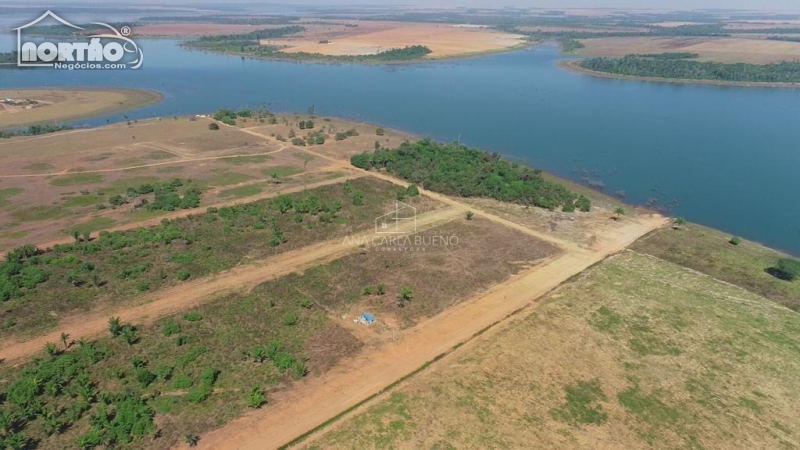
<point x="723" y="157"/>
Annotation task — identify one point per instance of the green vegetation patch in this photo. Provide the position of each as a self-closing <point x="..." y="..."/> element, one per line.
<point x="83" y="200"/>
<point x="228" y="178"/>
<point x="95" y="224"/>
<point x="78" y="179"/>
<point x="39" y="167"/>
<point x="5" y="194"/>
<point x="242" y="191"/>
<point x="466" y="172"/>
<point x="583" y="404"/>
<point x="37" y="213"/>
<point x="281" y="171"/>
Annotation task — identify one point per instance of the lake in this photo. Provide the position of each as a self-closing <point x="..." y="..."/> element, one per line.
<point x="720" y="156"/>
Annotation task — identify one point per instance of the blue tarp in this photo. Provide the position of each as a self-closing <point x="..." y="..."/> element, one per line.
<point x="368" y="317"/>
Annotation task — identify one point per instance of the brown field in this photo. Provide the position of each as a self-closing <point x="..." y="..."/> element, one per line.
<point x="725" y="50"/>
<point x="635" y="353"/>
<point x="444" y="40"/>
<point x="62" y="105"/>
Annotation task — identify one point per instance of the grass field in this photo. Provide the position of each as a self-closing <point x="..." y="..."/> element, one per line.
<point x="711" y="252"/>
<point x="635" y="353"/>
<point x="64" y="105"/>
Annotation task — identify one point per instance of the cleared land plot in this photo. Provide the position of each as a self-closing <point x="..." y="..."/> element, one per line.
<point x="120" y="267"/>
<point x="444" y="40"/>
<point x="637" y="353"/>
<point x="51" y="184"/>
<point x="711" y="252"/>
<point x="451" y="263"/>
<point x="62" y="105"/>
<point x="725" y="50"/>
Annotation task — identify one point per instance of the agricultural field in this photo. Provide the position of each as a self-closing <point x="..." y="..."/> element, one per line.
<point x="363" y="38"/>
<point x="724" y="50"/>
<point x="53" y="106"/>
<point x="634" y="353"/>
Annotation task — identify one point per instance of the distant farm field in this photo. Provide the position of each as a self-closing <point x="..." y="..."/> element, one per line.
<point x="64" y="105"/>
<point x="725" y="50"/>
<point x="442" y="39"/>
<point x="635" y="353"/>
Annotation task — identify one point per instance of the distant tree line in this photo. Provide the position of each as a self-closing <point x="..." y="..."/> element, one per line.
<point x="468" y="172"/>
<point x="784" y="72"/>
<point x="34" y="130"/>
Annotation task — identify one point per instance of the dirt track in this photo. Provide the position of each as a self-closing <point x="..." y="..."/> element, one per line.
<point x="311" y="403"/>
<point x="314" y="401"/>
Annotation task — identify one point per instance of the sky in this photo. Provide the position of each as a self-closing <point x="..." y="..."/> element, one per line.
<point x="793" y="5"/>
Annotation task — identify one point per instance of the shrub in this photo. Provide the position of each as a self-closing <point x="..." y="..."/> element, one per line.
<point x="182" y="382"/>
<point x="406" y="294"/>
<point x="183" y="275"/>
<point x="256" y="398"/>
<point x="735" y="240"/>
<point x="306" y="303"/>
<point x="213" y="126"/>
<point x="171" y="327"/>
<point x="381" y="289"/>
<point x="470" y="215"/>
<point x="193" y="317"/>
<point x="145" y="377"/>
<point x="291" y="319"/>
<point x="191" y="439"/>
<point x="787" y="269"/>
<point x="368" y="290"/>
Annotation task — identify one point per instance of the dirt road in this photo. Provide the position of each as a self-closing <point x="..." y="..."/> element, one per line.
<point x="191" y="294"/>
<point x="309" y="404"/>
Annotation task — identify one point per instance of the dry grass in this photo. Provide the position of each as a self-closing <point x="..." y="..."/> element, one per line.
<point x="63" y="105"/>
<point x="444" y="40"/>
<point x="638" y="353"/>
<point x="726" y="50"/>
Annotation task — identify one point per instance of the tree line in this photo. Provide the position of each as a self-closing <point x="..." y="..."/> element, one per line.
<point x="784" y="72"/>
<point x="467" y="172"/>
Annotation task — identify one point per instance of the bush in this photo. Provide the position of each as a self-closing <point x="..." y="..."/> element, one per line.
<point x="787" y="269"/>
<point x="193" y="317"/>
<point x="735" y="240"/>
<point x="183" y="275"/>
<point x="291" y="319"/>
<point x="256" y="399"/>
<point x="171" y="327"/>
<point x="145" y="377"/>
<point x="182" y="382"/>
<point x="213" y="126"/>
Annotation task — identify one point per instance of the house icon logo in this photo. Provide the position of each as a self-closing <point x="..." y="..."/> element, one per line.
<point x="400" y="221"/>
<point x="108" y="48"/>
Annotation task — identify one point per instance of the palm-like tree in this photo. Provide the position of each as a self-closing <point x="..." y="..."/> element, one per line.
<point x="51" y="349"/>
<point x="65" y="339"/>
<point x="618" y="213"/>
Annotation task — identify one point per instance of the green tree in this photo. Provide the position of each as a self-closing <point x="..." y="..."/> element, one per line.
<point x="213" y="126"/>
<point x="470" y="215"/>
<point x="381" y="289"/>
<point x="191" y="439"/>
<point x="76" y="235"/>
<point x="788" y="269"/>
<point x="618" y="213"/>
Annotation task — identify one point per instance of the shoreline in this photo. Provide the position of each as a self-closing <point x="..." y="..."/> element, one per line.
<point x="134" y="99"/>
<point x="572" y="66"/>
